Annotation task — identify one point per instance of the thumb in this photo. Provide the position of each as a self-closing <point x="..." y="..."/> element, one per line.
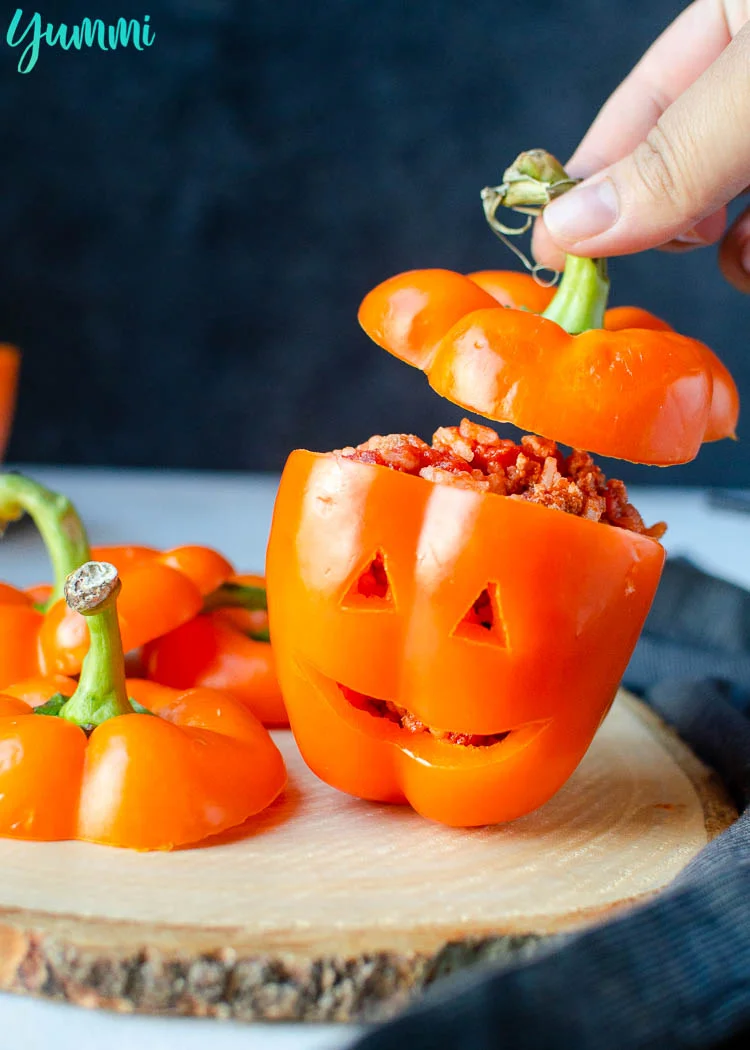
<point x="695" y="160"/>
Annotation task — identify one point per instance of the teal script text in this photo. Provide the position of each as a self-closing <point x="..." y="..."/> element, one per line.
<point x="90" y="33"/>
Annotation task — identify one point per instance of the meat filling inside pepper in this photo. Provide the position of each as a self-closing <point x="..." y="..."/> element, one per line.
<point x="476" y="457"/>
<point x="404" y="719"/>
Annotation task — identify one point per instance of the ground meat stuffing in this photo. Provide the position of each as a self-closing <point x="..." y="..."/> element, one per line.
<point x="475" y="457"/>
<point x="405" y="720"/>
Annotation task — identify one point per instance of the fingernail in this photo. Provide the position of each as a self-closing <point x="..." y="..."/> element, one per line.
<point x="583" y="212"/>
<point x="745" y="258"/>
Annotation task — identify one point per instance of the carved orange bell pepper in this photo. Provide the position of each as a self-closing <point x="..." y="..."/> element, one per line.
<point x="166" y="769"/>
<point x="451" y="622"/>
<point x="525" y="683"/>
<point x="620" y="383"/>
<point x="228" y="647"/>
<point x="10" y="361"/>
<point x="161" y="590"/>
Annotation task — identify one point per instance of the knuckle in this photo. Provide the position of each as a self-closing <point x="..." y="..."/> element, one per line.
<point x="659" y="167"/>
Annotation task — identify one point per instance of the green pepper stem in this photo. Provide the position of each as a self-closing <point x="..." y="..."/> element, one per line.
<point x="240" y="596"/>
<point x="580" y="301"/>
<point x="56" y="519"/>
<point x="102" y="691"/>
<point x="236" y="595"/>
<point x="533" y="180"/>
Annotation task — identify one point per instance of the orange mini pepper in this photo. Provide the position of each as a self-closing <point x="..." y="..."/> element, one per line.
<point x="619" y="383"/>
<point x="228" y="647"/>
<point x="10" y="360"/>
<point x="168" y="769"/>
<point x="161" y="590"/>
<point x="20" y="621"/>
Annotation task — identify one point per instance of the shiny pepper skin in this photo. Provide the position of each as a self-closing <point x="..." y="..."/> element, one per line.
<point x="635" y="390"/>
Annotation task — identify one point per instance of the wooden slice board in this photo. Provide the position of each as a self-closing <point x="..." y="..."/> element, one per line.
<point x="329" y="908"/>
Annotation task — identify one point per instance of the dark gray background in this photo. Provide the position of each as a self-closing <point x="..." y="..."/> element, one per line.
<point x="187" y="232"/>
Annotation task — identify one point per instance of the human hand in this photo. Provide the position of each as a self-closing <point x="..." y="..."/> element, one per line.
<point x="667" y="152"/>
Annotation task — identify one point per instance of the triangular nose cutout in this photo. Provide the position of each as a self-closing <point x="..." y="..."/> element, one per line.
<point x="372" y="586"/>
<point x="483" y="621"/>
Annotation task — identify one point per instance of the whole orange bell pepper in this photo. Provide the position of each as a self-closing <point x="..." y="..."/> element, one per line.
<point x="161" y="590"/>
<point x="619" y="383"/>
<point x="90" y="763"/>
<point x="528" y="684"/>
<point x="227" y="647"/>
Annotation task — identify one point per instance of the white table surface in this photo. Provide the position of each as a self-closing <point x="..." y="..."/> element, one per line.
<point x="233" y="513"/>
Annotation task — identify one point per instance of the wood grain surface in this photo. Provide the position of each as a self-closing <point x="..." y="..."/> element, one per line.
<point x="329" y="908"/>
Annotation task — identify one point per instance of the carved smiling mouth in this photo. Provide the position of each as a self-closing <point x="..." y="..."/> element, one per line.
<point x="404" y="719"/>
<point x="391" y="721"/>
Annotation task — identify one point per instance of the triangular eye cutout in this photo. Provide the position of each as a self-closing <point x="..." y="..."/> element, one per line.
<point x="372" y="586"/>
<point x="483" y="620"/>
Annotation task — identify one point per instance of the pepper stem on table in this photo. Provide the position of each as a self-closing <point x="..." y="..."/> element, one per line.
<point x="92" y="590"/>
<point x="250" y="597"/>
<point x="237" y="595"/>
<point x="533" y="180"/>
<point x="56" y="519"/>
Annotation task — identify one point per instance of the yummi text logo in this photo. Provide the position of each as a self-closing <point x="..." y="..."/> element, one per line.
<point x="29" y="33"/>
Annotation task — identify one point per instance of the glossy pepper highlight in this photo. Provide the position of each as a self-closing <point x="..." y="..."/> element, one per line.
<point x="619" y="383"/>
<point x="40" y="633"/>
<point x="91" y="764"/>
<point x="227" y="647"/>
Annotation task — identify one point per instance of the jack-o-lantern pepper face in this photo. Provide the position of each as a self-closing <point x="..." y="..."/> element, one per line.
<point x="451" y="648"/>
<point x="446" y="633"/>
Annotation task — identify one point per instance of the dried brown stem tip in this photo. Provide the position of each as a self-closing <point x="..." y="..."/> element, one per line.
<point x="92" y="586"/>
<point x="533" y="180"/>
